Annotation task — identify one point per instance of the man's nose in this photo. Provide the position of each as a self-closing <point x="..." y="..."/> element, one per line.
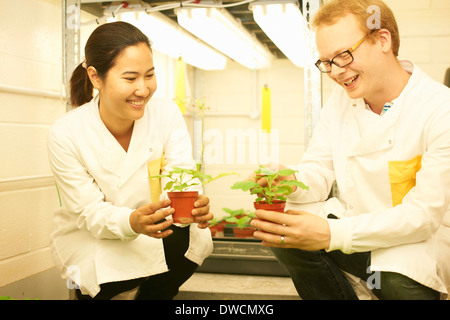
<point x="336" y="70"/>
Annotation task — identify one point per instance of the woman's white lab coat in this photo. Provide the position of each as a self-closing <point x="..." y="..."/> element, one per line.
<point x="393" y="177"/>
<point x="100" y="185"/>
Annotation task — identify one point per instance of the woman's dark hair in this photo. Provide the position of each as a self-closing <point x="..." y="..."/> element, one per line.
<point x="103" y="46"/>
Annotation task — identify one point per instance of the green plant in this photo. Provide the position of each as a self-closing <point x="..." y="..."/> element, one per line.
<point x="234" y="213"/>
<point x="215" y="221"/>
<point x="198" y="106"/>
<point x="181" y="178"/>
<point x="243" y="221"/>
<point x="275" y="189"/>
<point x="240" y="217"/>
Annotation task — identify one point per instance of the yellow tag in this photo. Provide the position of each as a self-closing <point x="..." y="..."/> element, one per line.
<point x="180" y="84"/>
<point x="266" y="109"/>
<point x="154" y="169"/>
<point x="402" y="176"/>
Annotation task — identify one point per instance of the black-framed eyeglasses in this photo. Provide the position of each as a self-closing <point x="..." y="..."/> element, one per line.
<point x="343" y="59"/>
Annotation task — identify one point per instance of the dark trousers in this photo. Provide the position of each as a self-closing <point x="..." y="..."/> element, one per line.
<point x="318" y="275"/>
<point x="162" y="286"/>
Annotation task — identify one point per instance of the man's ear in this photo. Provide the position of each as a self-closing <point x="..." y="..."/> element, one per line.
<point x="94" y="77"/>
<point x="384" y="36"/>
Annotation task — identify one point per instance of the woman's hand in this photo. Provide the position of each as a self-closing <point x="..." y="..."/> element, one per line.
<point x="292" y="229"/>
<point x="145" y="219"/>
<point x="201" y="212"/>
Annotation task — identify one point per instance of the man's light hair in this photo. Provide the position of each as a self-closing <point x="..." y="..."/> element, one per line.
<point x="371" y="14"/>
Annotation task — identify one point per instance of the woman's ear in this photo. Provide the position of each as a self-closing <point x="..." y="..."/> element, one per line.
<point x="94" y="77"/>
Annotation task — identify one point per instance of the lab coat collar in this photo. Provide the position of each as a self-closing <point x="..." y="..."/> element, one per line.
<point x="377" y="138"/>
<point x="381" y="135"/>
<point x="115" y="159"/>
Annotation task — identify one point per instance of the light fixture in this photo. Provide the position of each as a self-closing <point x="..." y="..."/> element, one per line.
<point x="169" y="38"/>
<point x="285" y="25"/>
<point x="220" y="30"/>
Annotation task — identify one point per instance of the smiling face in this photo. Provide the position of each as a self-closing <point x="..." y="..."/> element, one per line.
<point x="127" y="87"/>
<point x="364" y="75"/>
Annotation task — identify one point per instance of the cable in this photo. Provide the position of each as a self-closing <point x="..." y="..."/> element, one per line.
<point x="146" y="8"/>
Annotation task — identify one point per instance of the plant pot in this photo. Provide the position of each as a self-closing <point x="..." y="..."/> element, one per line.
<point x="245" y="232"/>
<point x="219" y="227"/>
<point x="277" y="206"/>
<point x="183" y="203"/>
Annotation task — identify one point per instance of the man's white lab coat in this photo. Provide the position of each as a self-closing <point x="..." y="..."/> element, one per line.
<point x="393" y="177"/>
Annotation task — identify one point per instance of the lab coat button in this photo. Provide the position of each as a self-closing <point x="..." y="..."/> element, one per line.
<point x="150" y="149"/>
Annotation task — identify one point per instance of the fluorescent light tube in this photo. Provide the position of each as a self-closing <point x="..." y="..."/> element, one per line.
<point x="169" y="38"/>
<point x="285" y="25"/>
<point x="219" y="29"/>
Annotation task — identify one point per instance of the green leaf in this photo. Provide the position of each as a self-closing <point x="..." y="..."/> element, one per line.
<point x="169" y="185"/>
<point x="286" y="172"/>
<point x="244" y="185"/>
<point x="257" y="189"/>
<point x="284" y="190"/>
<point x="159" y="176"/>
<point x="295" y="183"/>
<point x="265" y="171"/>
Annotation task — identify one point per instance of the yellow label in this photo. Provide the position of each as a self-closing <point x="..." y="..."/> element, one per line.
<point x="402" y="177"/>
<point x="266" y="110"/>
<point x="154" y="168"/>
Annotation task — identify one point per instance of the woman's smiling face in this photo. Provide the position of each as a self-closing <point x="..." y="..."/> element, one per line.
<point x="128" y="86"/>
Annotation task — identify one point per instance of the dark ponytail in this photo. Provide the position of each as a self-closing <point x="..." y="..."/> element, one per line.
<point x="102" y="48"/>
<point x="81" y="88"/>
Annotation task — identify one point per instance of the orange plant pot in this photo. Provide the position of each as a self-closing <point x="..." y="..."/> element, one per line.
<point x="277" y="206"/>
<point x="245" y="232"/>
<point x="183" y="203"/>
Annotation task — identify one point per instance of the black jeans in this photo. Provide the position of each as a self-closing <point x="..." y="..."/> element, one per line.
<point x="318" y="275"/>
<point x="162" y="286"/>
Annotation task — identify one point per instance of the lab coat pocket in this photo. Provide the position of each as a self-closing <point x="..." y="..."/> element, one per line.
<point x="154" y="168"/>
<point x="402" y="177"/>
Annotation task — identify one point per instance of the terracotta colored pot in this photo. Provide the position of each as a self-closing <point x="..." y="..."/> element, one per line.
<point x="213" y="231"/>
<point x="183" y="203"/>
<point x="277" y="206"/>
<point x="245" y="232"/>
<point x="217" y="228"/>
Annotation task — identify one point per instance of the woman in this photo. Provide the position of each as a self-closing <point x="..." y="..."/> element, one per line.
<point x="111" y="227"/>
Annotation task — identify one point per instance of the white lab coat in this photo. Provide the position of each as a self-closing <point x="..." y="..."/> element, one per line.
<point x="100" y="185"/>
<point x="393" y="177"/>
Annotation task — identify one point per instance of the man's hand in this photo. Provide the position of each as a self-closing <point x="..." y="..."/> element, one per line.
<point x="292" y="229"/>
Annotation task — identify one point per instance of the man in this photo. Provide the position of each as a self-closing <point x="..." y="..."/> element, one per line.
<point x="384" y="136"/>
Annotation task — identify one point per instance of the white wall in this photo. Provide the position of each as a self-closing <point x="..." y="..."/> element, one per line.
<point x="30" y="57"/>
<point x="236" y="92"/>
